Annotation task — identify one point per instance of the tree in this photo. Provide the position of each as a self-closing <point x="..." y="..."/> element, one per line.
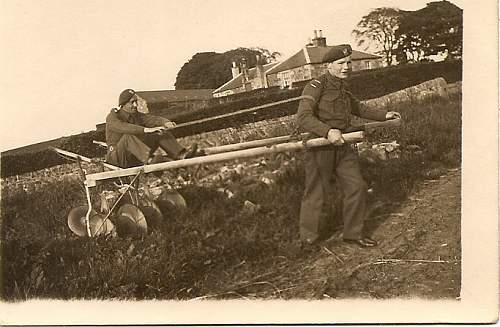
<point x="210" y="70"/>
<point x="433" y="30"/>
<point x="377" y="32"/>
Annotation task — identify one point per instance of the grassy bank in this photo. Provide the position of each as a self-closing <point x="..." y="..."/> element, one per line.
<point x="212" y="247"/>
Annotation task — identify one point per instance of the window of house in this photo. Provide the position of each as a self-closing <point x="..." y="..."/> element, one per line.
<point x="368" y="64"/>
<point x="286" y="78"/>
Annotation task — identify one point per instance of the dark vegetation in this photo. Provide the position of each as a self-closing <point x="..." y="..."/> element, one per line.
<point x="412" y="36"/>
<point x="365" y="85"/>
<point x="214" y="247"/>
<point x="209" y="70"/>
<point x="435" y="29"/>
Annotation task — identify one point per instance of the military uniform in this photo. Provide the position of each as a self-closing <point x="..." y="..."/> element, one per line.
<point x="328" y="104"/>
<point x="128" y="145"/>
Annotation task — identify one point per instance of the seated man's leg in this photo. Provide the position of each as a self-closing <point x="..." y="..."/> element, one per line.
<point x="128" y="145"/>
<point x="168" y="143"/>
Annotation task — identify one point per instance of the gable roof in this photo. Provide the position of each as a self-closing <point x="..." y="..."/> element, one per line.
<point x="314" y="55"/>
<point x="238" y="80"/>
<point x="175" y="95"/>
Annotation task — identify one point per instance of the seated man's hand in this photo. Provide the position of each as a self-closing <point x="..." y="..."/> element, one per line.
<point x="170" y="124"/>
<point x="148" y="130"/>
<point x="392" y="115"/>
<point x="335" y="137"/>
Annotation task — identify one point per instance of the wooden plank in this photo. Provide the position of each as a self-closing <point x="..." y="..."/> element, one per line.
<point x="103" y="144"/>
<point x="82" y="158"/>
<point x="220" y="157"/>
<point x="251" y="144"/>
<point x="281" y="139"/>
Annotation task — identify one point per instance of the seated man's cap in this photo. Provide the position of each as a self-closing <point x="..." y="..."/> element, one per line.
<point x="125" y="96"/>
<point x="337" y="52"/>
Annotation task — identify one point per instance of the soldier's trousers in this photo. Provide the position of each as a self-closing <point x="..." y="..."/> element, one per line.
<point x="133" y="150"/>
<point x="320" y="165"/>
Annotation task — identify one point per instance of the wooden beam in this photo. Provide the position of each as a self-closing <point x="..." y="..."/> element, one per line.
<point x="252" y="144"/>
<point x="219" y="157"/>
<point x="103" y="144"/>
<point x="368" y="127"/>
<point x="82" y="158"/>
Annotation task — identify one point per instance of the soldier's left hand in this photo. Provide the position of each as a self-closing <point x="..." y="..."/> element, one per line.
<point x="170" y="124"/>
<point x="392" y="115"/>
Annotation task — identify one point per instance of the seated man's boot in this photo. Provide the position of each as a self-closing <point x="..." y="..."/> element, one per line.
<point x="191" y="152"/>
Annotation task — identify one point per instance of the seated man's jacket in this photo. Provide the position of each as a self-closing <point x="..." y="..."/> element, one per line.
<point x="119" y="122"/>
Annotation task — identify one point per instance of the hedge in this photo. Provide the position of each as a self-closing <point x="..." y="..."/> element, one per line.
<point x="366" y="84"/>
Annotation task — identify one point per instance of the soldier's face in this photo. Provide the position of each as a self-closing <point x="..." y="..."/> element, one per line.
<point x="340" y="68"/>
<point x="131" y="105"/>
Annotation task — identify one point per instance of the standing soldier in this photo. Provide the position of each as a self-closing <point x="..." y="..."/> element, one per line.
<point x="133" y="136"/>
<point x="325" y="111"/>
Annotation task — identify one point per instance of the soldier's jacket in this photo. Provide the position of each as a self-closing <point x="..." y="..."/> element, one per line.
<point x="328" y="104"/>
<point x="119" y="122"/>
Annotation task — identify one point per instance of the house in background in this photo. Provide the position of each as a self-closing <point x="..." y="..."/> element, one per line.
<point x="302" y="66"/>
<point x="245" y="79"/>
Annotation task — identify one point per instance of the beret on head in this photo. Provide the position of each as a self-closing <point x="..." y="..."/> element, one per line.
<point x="337" y="52"/>
<point x="125" y="96"/>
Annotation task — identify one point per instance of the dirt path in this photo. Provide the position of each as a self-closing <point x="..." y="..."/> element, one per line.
<point x="419" y="255"/>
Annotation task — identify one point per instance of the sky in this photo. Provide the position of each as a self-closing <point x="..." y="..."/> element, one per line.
<point x="64" y="63"/>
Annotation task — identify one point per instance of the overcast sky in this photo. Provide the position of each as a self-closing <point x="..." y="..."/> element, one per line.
<point x="64" y="63"/>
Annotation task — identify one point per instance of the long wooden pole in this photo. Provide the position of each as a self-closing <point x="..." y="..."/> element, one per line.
<point x="281" y="139"/>
<point x="264" y="106"/>
<point x="251" y="144"/>
<point x="77" y="156"/>
<point x="219" y="157"/>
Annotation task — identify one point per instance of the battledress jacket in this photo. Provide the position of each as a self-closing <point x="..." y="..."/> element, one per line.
<point x="328" y="104"/>
<point x="119" y="122"/>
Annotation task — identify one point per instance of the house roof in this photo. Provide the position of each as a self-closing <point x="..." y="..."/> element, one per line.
<point x="175" y="95"/>
<point x="238" y="80"/>
<point x="314" y="55"/>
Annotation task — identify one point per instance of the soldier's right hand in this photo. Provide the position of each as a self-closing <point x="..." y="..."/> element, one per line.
<point x="335" y="137"/>
<point x="159" y="129"/>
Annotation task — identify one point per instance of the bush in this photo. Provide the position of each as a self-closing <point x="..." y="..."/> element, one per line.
<point x="197" y="252"/>
<point x="17" y="164"/>
<point x="365" y="84"/>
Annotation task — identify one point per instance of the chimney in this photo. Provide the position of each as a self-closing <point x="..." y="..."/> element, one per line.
<point x="244" y="70"/>
<point x="319" y="40"/>
<point x="261" y="74"/>
<point x="235" y="70"/>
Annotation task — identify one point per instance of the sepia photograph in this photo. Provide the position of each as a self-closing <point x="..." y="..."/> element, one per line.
<point x="227" y="162"/>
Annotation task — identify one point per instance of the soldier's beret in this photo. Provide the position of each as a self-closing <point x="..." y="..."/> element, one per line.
<point x="337" y="52"/>
<point x="125" y="96"/>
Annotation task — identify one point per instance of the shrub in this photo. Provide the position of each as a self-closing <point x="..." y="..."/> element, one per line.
<point x="365" y="85"/>
<point x="195" y="251"/>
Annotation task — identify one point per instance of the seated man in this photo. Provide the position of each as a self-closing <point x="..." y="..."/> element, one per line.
<point x="133" y="137"/>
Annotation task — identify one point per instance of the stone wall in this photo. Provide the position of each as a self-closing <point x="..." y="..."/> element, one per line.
<point x="286" y="125"/>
